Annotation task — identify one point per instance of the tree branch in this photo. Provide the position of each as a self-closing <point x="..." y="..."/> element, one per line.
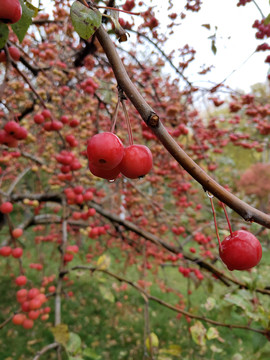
<point x="49" y="218"/>
<point x="45" y="349"/>
<point x="247" y="212"/>
<point x="167" y="305"/>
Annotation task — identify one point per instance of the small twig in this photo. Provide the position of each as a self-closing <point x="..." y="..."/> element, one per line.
<point x="45" y="349"/>
<point x="58" y="291"/>
<point x="28" y="82"/>
<point x="17" y="180"/>
<point x="6" y="321"/>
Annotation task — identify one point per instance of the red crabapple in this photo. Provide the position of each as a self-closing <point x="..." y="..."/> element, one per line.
<point x="18" y="319"/>
<point x="137" y="161"/>
<point x="10" y="11"/>
<point x="105" y="151"/>
<point x="104" y="174"/>
<point x="240" y="251"/>
<point x="6" y="207"/>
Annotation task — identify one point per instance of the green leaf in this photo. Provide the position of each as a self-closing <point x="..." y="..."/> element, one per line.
<point x="239" y="300"/>
<point x="32" y="7"/>
<point x="85" y="20"/>
<point x="173" y="349"/>
<point x="258" y="341"/>
<point x="20" y="28"/>
<point x="212" y="333"/>
<point x="106" y="294"/>
<point x="237" y="357"/>
<point x="74" y="344"/>
<point x="215" y="349"/>
<point x="3" y="34"/>
<point x="91" y="354"/>
<point x="213" y="47"/>
<point x="210" y="303"/>
<point x="267" y="19"/>
<point x="198" y="332"/>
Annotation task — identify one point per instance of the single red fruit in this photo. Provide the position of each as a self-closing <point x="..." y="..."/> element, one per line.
<point x="21" y="280"/>
<point x="137" y="161"/>
<point x="105" y="151"/>
<point x="35" y="304"/>
<point x="16" y="233"/>
<point x="14" y="52"/>
<point x="11" y="127"/>
<point x="32" y="293"/>
<point x="28" y="323"/>
<point x="39" y="119"/>
<point x="21" y="133"/>
<point x="104" y="174"/>
<point x="6" y="207"/>
<point x="240" y="251"/>
<point x="5" y="251"/>
<point x="10" y="11"/>
<point x="18" y="319"/>
<point x="33" y="314"/>
<point x="46" y="114"/>
<point x="17" y="252"/>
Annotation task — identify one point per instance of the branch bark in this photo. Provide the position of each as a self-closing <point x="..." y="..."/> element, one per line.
<point x="246" y="211"/>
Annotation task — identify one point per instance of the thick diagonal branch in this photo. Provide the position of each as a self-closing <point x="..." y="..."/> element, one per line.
<point x="152" y="120"/>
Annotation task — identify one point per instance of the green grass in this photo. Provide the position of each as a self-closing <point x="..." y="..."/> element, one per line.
<point x="114" y="332"/>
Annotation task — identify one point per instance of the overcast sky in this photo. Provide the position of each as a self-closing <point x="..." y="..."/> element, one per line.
<point x="235" y="40"/>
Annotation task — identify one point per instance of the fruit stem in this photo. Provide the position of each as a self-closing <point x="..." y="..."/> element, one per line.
<point x="114" y="117"/>
<point x="130" y="137"/>
<point x="215" y="219"/>
<point x="227" y="217"/>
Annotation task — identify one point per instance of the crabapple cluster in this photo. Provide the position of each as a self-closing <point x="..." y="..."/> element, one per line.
<point x="241" y="250"/>
<point x="31" y="302"/>
<point x="108" y="157"/>
<point x="129" y="5"/>
<point x="243" y="2"/>
<point x="263" y="29"/>
<point x="12" y="133"/>
<point x="14" y="252"/>
<point x="68" y="162"/>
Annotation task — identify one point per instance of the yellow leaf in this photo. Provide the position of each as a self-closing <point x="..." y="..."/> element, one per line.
<point x="103" y="262"/>
<point x="151" y="341"/>
<point x="61" y="333"/>
<point x="173" y="349"/>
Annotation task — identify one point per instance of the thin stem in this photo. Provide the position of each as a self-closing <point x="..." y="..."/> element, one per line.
<point x="130" y="137"/>
<point x="227" y="217"/>
<point x="257" y="6"/>
<point x="115" y="114"/>
<point x="215" y="219"/>
<point x="152" y="120"/>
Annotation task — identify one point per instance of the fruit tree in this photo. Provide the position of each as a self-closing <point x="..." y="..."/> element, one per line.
<point x="134" y="204"/>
